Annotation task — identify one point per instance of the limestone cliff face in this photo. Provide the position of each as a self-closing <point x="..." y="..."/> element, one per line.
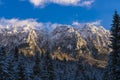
<point x="97" y="39"/>
<point x="67" y="43"/>
<point x="34" y="43"/>
<point x="88" y="43"/>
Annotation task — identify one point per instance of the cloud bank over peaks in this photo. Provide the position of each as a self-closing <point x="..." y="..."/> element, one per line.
<point x="33" y="23"/>
<point x="96" y="23"/>
<point x="16" y="22"/>
<point x="81" y="3"/>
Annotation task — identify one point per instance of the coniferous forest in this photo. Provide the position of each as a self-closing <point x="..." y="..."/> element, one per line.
<point x="81" y="61"/>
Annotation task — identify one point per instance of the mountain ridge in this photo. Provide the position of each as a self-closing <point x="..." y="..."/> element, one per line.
<point x="88" y="38"/>
<point x="78" y="52"/>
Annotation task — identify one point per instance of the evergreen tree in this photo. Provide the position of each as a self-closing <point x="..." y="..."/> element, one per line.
<point x="36" y="68"/>
<point x="3" y="65"/>
<point x="14" y="63"/>
<point x="49" y="66"/>
<point x="80" y="73"/>
<point x="10" y="67"/>
<point x="113" y="68"/>
<point x="16" y="53"/>
<point x="11" y="71"/>
<point x="21" y="68"/>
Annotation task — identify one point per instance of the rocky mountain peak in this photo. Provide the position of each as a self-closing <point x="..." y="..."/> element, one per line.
<point x="66" y="40"/>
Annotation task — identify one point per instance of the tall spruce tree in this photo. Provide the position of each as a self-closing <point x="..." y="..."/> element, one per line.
<point x="21" y="72"/>
<point x="10" y="67"/>
<point x="3" y="65"/>
<point x="15" y="62"/>
<point x="113" y="68"/>
<point x="21" y="68"/>
<point x="36" y="67"/>
<point x="49" y="66"/>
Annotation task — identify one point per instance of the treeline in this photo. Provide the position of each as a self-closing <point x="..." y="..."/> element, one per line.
<point x="16" y="66"/>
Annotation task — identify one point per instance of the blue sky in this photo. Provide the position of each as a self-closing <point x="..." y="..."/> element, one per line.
<point x="61" y="11"/>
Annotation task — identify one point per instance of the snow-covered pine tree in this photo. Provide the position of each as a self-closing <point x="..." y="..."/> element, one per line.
<point x="80" y="73"/>
<point x="10" y="68"/>
<point x="44" y="74"/>
<point x="21" y="68"/>
<point x="16" y="53"/>
<point x="113" y="68"/>
<point x="3" y="70"/>
<point x="49" y="66"/>
<point x="36" y="67"/>
<point x="14" y="62"/>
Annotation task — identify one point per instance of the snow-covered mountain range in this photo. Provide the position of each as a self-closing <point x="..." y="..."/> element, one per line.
<point x="71" y="40"/>
<point x="87" y="42"/>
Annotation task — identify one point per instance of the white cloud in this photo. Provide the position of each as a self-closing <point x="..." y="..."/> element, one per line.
<point x="38" y="2"/>
<point x="17" y="22"/>
<point x="82" y="3"/>
<point x="14" y="23"/>
<point x="97" y="23"/>
<point x="4" y="23"/>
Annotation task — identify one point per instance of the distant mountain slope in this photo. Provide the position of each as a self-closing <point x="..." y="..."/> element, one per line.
<point x="85" y="45"/>
<point x="87" y="38"/>
<point x="65" y="42"/>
